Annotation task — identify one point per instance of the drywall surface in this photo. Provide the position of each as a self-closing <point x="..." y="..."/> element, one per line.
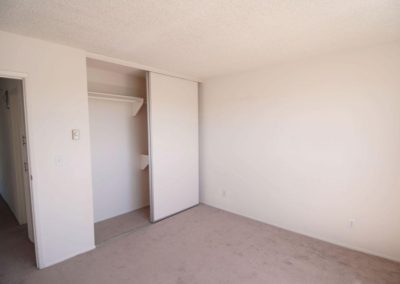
<point x="56" y="102"/>
<point x="312" y="146"/>
<point x="11" y="179"/>
<point x="117" y="141"/>
<point x="119" y="80"/>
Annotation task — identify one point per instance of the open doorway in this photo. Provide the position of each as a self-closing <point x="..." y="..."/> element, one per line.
<point x="119" y="148"/>
<point x="16" y="224"/>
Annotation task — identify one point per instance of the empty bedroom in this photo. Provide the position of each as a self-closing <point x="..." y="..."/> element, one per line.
<point x="223" y="141"/>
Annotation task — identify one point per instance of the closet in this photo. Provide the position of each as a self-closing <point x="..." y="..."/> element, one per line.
<point x="119" y="148"/>
<point x="144" y="146"/>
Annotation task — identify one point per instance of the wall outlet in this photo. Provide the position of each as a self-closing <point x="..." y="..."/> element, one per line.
<point x="76" y="134"/>
<point x="352" y="223"/>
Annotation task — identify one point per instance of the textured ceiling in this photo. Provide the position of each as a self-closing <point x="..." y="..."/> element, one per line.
<point x="205" y="38"/>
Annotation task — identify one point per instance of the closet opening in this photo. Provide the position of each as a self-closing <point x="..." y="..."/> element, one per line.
<point x="119" y="148"/>
<point x="16" y="222"/>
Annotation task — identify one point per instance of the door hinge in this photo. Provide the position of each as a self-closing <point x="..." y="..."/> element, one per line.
<point x="23" y="140"/>
<point x="26" y="166"/>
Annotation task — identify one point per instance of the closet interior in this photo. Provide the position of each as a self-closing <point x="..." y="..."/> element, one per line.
<point x="119" y="145"/>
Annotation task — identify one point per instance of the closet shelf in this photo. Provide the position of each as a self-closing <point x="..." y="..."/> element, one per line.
<point x="136" y="102"/>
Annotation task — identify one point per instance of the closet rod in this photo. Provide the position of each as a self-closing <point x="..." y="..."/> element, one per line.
<point x="113" y="97"/>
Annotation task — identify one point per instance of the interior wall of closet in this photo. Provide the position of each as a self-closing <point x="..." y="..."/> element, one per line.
<point x="119" y="139"/>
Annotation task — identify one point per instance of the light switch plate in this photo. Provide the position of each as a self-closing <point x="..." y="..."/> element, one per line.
<point x="58" y="160"/>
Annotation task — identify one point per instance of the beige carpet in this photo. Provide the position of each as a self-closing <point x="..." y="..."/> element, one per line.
<point x="122" y="224"/>
<point x="17" y="253"/>
<point x="207" y="245"/>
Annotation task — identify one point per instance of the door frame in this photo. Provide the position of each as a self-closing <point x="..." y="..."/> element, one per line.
<point x="25" y="86"/>
<point x="149" y="148"/>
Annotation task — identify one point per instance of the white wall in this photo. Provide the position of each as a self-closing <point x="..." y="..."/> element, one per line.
<point x="122" y="81"/>
<point x="308" y="146"/>
<point x="56" y="97"/>
<point x="117" y="141"/>
<point x="11" y="179"/>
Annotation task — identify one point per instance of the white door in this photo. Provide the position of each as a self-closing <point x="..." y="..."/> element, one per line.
<point x="173" y="144"/>
<point x="20" y="155"/>
<point x="25" y="161"/>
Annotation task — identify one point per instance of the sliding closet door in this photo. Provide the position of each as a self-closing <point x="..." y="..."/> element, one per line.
<point x="173" y="141"/>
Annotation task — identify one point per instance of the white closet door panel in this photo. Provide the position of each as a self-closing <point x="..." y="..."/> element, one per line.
<point x="173" y="139"/>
